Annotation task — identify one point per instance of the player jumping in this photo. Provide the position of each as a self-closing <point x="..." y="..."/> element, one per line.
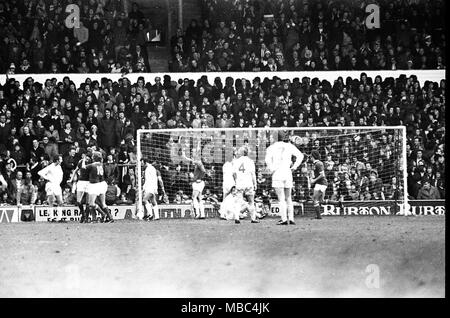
<point x="245" y="179"/>
<point x="320" y="184"/>
<point x="279" y="162"/>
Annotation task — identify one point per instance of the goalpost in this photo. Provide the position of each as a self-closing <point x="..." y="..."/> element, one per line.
<point x="370" y="150"/>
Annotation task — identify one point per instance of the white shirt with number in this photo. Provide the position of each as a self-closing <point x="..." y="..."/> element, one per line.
<point x="244" y="168"/>
<point x="279" y="158"/>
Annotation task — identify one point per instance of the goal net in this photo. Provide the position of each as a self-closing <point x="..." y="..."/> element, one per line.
<point x="361" y="163"/>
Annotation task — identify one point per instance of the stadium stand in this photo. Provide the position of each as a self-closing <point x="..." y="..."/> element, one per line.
<point x="40" y="120"/>
<point x="35" y="39"/>
<point x="288" y="35"/>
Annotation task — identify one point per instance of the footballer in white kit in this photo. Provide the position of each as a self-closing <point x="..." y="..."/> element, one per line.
<point x="245" y="179"/>
<point x="228" y="179"/>
<point x="233" y="205"/>
<point x="279" y="162"/>
<point x="54" y="175"/>
<point x="151" y="178"/>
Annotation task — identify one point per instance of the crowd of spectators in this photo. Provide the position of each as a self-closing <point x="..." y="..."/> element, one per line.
<point x="38" y="121"/>
<point x="35" y="38"/>
<point x="290" y="35"/>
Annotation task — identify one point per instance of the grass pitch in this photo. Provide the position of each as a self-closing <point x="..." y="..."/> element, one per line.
<point x="216" y="258"/>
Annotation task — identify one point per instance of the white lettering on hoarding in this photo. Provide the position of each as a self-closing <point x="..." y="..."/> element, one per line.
<point x="352" y="210"/>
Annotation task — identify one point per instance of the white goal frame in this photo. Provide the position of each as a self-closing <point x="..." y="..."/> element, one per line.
<point x="369" y="128"/>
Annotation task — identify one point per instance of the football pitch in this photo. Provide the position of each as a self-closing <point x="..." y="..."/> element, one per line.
<point x="357" y="256"/>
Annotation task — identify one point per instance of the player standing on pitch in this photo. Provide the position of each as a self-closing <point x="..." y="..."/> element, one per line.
<point x="82" y="187"/>
<point x="97" y="186"/>
<point x="228" y="180"/>
<point x="320" y="184"/>
<point x="279" y="162"/>
<point x="198" y="185"/>
<point x="53" y="173"/>
<point x="151" y="179"/>
<point x="245" y="179"/>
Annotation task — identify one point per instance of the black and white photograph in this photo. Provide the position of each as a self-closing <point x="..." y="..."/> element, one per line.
<point x="222" y="149"/>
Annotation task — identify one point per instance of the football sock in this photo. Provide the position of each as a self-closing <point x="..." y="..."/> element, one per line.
<point x="317" y="208"/>
<point x="196" y="207"/>
<point x="290" y="211"/>
<point x="156" y="211"/>
<point x="202" y="209"/>
<point x="82" y="211"/>
<point x="148" y="209"/>
<point x="283" y="211"/>
<point x="252" y="211"/>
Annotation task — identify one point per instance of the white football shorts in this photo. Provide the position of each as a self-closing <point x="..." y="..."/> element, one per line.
<point x="82" y="186"/>
<point x="53" y="189"/>
<point x="282" y="179"/>
<point x="198" y="186"/>
<point x="320" y="187"/>
<point x="97" y="188"/>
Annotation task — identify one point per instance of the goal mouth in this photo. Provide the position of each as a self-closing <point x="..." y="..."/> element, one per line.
<point x="362" y="163"/>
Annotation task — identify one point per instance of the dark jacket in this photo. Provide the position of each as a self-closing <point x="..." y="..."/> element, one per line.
<point x="107" y="132"/>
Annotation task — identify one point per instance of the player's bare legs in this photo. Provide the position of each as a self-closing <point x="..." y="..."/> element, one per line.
<point x="201" y="206"/>
<point x="289" y="205"/>
<point x="155" y="206"/>
<point x="51" y="200"/>
<point x="148" y="212"/>
<point x="241" y="208"/>
<point x="195" y="205"/>
<point x="252" y="207"/>
<point x="58" y="199"/>
<point x="196" y="202"/>
<point x="283" y="208"/>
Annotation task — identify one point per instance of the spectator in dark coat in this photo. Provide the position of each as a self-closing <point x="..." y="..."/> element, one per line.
<point x="37" y="150"/>
<point x="5" y="129"/>
<point x="67" y="136"/>
<point x="26" y="141"/>
<point x="120" y="126"/>
<point x="428" y="192"/>
<point x="107" y="130"/>
<point x="87" y="141"/>
<point x="69" y="164"/>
